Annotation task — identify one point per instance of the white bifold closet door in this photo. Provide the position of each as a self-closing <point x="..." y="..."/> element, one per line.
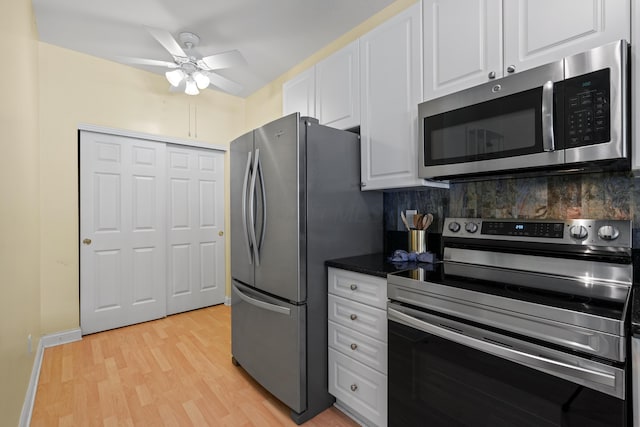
<point x="195" y="262"/>
<point x="151" y="221"/>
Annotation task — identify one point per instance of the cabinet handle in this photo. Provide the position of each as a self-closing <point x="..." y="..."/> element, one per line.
<point x="87" y="241"/>
<point x="363" y="184"/>
<point x="354" y="387"/>
<point x="353" y="286"/>
<point x="354" y="346"/>
<point x="492" y="75"/>
<point x="353" y="317"/>
<point x="511" y="69"/>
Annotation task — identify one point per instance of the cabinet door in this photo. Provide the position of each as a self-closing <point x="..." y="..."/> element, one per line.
<point x="338" y="88"/>
<point x="537" y="32"/>
<point x="391" y="82"/>
<point x="462" y="44"/>
<point x="299" y="94"/>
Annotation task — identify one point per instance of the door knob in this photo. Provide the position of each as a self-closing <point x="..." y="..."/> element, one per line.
<point x="87" y="241"/>
<point x="220" y="233"/>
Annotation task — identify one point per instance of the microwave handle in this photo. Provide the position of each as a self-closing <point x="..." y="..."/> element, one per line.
<point x="548" y="143"/>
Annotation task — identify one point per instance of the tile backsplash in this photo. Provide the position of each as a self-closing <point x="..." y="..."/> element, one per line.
<point x="607" y="195"/>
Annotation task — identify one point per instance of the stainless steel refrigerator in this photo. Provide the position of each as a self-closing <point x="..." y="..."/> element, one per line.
<point x="295" y="202"/>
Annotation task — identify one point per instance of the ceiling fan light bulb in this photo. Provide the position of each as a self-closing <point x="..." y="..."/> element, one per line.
<point x="175" y="77"/>
<point x="192" y="87"/>
<point x="201" y="80"/>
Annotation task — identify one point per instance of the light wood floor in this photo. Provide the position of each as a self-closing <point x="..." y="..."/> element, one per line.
<point x="175" y="371"/>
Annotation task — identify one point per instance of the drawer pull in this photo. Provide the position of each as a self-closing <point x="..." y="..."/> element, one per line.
<point x="354" y="346"/>
<point x="353" y="286"/>
<point x="354" y="387"/>
<point x="353" y="317"/>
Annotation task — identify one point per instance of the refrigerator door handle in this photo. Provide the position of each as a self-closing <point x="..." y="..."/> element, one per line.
<point x="244" y="207"/>
<point x="264" y="206"/>
<point x="252" y="200"/>
<point x="262" y="304"/>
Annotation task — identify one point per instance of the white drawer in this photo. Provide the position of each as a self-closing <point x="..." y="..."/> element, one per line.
<point x="359" y="287"/>
<point x="362" y="389"/>
<point x="362" y="348"/>
<point x="363" y="318"/>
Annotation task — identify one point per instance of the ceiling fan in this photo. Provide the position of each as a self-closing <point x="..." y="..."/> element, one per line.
<point x="189" y="73"/>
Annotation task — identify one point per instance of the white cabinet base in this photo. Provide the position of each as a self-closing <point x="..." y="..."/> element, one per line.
<point x="359" y="387"/>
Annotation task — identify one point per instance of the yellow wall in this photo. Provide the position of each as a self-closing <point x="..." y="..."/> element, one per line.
<point x="19" y="213"/>
<point x="77" y="88"/>
<point x="266" y="104"/>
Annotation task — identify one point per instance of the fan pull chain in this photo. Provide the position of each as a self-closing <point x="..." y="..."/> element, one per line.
<point x="189" y="124"/>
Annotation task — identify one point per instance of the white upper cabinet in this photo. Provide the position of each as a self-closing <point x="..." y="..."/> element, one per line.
<point x="338" y="88"/>
<point x="391" y="88"/>
<point x="462" y="44"/>
<point x="469" y="42"/>
<point x="537" y="32"/>
<point x="299" y="94"/>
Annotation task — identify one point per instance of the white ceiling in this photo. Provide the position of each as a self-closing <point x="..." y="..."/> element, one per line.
<point x="273" y="35"/>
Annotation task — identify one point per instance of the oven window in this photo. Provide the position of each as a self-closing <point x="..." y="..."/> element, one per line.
<point x="438" y="383"/>
<point x="503" y="127"/>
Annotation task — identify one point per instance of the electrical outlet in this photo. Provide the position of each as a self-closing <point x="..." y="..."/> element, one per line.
<point x="29" y="344"/>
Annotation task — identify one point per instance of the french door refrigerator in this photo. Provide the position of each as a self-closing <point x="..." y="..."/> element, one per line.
<point x="295" y="202"/>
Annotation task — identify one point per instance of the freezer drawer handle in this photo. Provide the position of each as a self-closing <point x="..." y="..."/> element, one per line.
<point x="261" y="304"/>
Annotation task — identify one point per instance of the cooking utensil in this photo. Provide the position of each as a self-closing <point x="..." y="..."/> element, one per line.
<point x="426" y="221"/>
<point x="417" y="221"/>
<point x="404" y="221"/>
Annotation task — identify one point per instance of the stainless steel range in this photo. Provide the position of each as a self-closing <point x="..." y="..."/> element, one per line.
<point x="523" y="323"/>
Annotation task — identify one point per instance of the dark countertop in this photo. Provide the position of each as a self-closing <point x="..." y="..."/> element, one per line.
<point x="371" y="264"/>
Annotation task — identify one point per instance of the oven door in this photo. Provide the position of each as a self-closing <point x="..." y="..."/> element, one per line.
<point x="446" y="373"/>
<point x="503" y="125"/>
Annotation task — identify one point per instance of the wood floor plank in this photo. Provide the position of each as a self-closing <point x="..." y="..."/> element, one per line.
<point x="175" y="371"/>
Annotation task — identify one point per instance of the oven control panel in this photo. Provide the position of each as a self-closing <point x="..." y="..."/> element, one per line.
<point x="571" y="231"/>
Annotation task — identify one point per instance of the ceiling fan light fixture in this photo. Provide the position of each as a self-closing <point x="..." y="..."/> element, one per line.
<point x="201" y="80"/>
<point x="175" y="77"/>
<point x="192" y="87"/>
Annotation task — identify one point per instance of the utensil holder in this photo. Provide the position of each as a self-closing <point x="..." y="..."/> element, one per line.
<point x="417" y="241"/>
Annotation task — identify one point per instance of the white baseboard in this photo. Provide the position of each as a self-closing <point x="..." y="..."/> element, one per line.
<point x="50" y="340"/>
<point x="62" y="337"/>
<point x="227" y="300"/>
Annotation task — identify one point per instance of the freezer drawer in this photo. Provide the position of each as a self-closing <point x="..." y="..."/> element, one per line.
<point x="268" y="340"/>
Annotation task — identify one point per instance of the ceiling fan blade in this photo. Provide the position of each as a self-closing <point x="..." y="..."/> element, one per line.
<point x="167" y="41"/>
<point x="224" y="83"/>
<point x="142" y="61"/>
<point x="228" y="59"/>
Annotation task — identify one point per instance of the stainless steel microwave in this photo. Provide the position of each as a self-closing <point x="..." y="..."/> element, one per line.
<point x="571" y="114"/>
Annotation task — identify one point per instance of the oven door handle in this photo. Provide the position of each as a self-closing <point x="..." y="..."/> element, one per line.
<point x="601" y="381"/>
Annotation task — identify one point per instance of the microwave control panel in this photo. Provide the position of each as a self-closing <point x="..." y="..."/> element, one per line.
<point x="587" y="109"/>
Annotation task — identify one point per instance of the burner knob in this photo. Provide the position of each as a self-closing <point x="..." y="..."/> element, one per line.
<point x="454" y="226"/>
<point x="608" y="232"/>
<point x="578" y="232"/>
<point x="471" y="227"/>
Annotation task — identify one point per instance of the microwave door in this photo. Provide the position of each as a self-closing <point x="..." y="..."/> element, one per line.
<point x="496" y="127"/>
